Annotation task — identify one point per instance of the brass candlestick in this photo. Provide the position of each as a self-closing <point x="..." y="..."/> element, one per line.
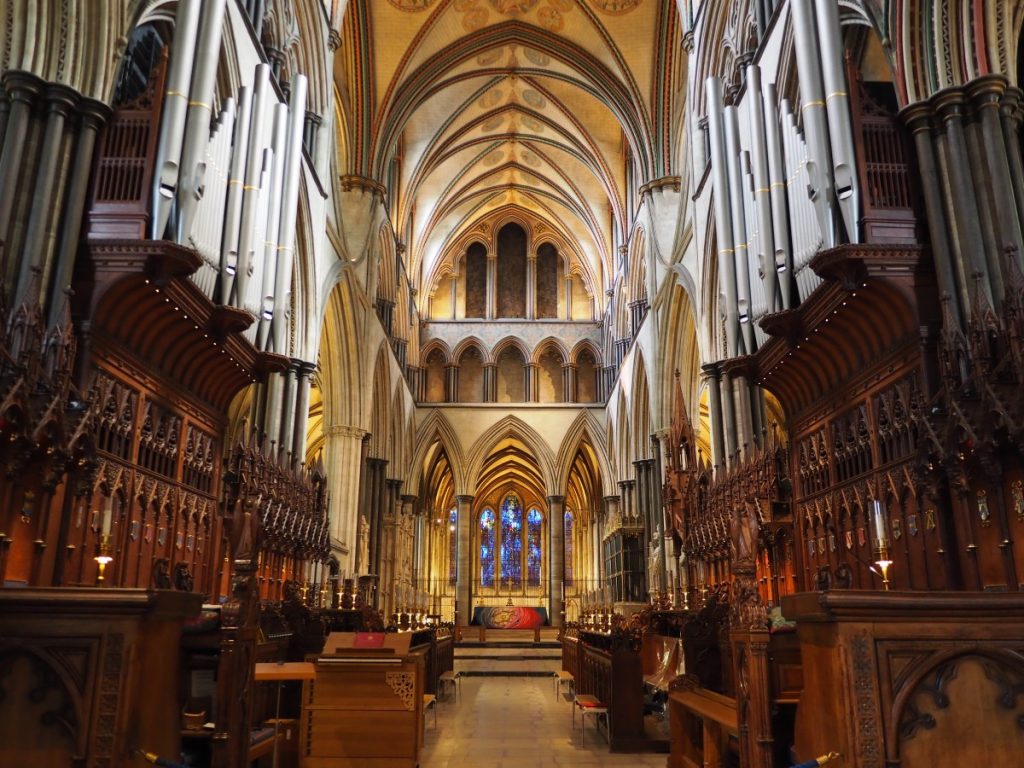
<point x="883" y="562"/>
<point x="103" y="557"/>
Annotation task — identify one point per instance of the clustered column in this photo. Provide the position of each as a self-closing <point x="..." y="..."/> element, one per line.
<point x="556" y="554"/>
<point x="463" y="583"/>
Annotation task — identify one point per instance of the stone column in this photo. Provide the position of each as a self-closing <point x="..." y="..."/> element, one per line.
<point x="289" y="393"/>
<point x="92" y="114"/>
<point x="22" y="89"/>
<point x="305" y="375"/>
<point x="568" y="297"/>
<point x="451" y="383"/>
<point x="556" y="558"/>
<point x="1010" y="118"/>
<point x="729" y="421"/>
<point x="36" y="257"/>
<point x="531" y="286"/>
<point x="490" y="382"/>
<point x="454" y="290"/>
<point x="463" y="573"/>
<point x="986" y="93"/>
<point x="343" y="454"/>
<point x="492" y="294"/>
<point x="918" y="119"/>
<point x="532" y="382"/>
<point x="569" y="382"/>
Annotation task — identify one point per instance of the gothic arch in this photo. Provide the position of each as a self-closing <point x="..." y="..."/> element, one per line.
<point x="511" y="426"/>
<point x="437" y="429"/>
<point x="585" y="426"/>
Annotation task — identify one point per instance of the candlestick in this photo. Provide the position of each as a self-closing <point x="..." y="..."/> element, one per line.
<point x="881" y="532"/>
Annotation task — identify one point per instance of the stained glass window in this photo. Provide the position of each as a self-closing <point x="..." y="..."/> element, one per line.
<point x="453" y="546"/>
<point x="511" y="542"/>
<point x="534" y="520"/>
<point x="487" y="548"/>
<point x="568" y="548"/>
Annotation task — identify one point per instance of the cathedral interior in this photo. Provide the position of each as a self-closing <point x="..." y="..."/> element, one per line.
<point x="355" y="351"/>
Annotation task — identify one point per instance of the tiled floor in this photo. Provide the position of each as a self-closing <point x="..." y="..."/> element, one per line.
<point x="516" y="722"/>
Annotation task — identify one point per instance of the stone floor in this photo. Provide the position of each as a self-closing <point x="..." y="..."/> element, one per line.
<point x="516" y="722"/>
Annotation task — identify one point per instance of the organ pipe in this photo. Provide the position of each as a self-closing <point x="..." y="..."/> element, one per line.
<point x="762" y="190"/>
<point x="172" y="120"/>
<point x="739" y="227"/>
<point x="198" y="117"/>
<point x="273" y="223"/>
<point x="233" y="207"/>
<point x="251" y="188"/>
<point x="840" y="127"/>
<point x="780" y="211"/>
<point x="289" y="212"/>
<point x="812" y="108"/>
<point x="207" y="222"/>
<point x="723" y="218"/>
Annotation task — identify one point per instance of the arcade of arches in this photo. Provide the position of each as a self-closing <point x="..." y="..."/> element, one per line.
<point x="691" y="330"/>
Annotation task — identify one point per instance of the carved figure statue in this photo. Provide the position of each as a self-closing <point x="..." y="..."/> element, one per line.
<point x="182" y="577"/>
<point x="745" y="526"/>
<point x="162" y="573"/>
<point x="363" y="548"/>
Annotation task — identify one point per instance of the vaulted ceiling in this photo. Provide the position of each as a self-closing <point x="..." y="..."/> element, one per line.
<point x="556" y="110"/>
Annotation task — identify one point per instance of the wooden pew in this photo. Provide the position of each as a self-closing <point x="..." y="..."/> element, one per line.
<point x="365" y="707"/>
<point x="704" y="727"/>
<point x="610" y="667"/>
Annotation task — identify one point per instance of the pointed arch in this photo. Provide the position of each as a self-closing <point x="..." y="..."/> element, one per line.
<point x="585" y="427"/>
<point x="511" y="427"/>
<point x="437" y="429"/>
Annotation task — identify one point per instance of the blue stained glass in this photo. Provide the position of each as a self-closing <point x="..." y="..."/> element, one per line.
<point x="511" y="542"/>
<point x="534" y="552"/>
<point x="453" y="548"/>
<point x="487" y="548"/>
<point x="568" y="549"/>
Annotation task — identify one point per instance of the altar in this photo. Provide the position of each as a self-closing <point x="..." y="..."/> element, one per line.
<point x="510" y="617"/>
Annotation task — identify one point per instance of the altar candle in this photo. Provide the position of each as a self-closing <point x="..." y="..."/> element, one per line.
<point x="108" y="515"/>
<point x="881" y="533"/>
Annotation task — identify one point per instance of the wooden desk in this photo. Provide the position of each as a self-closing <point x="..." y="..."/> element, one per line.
<point x="364" y="709"/>
<point x="290" y="670"/>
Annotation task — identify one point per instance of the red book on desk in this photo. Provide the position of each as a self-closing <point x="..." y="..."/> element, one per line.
<point x="368" y="640"/>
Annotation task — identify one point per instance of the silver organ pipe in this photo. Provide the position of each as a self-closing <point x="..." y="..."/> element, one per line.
<point x="840" y="127"/>
<point x="741" y="244"/>
<point x="199" y="117"/>
<point x="172" y="121"/>
<point x="270" y="252"/>
<point x="758" y="301"/>
<point x="233" y="207"/>
<point x="812" y="109"/>
<point x="207" y="220"/>
<point x="723" y="218"/>
<point x="780" y="211"/>
<point x="762" y="191"/>
<point x="807" y="235"/>
<point x="250" y="302"/>
<point x="251" y="188"/>
<point x="289" y="211"/>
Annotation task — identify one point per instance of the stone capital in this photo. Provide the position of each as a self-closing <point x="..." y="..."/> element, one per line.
<point x="344" y="430"/>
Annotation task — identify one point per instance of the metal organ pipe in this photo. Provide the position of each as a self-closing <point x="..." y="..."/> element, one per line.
<point x="783" y="260"/>
<point x="762" y="189"/>
<point x="840" y="127"/>
<point x="758" y="304"/>
<point x="807" y="235"/>
<point x="289" y="211"/>
<point x="172" y="120"/>
<point x="207" y="224"/>
<point x="233" y="207"/>
<point x="251" y="189"/>
<point x="198" y="118"/>
<point x="270" y="242"/>
<point x="812" y="108"/>
<point x="723" y="217"/>
<point x="739" y="227"/>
